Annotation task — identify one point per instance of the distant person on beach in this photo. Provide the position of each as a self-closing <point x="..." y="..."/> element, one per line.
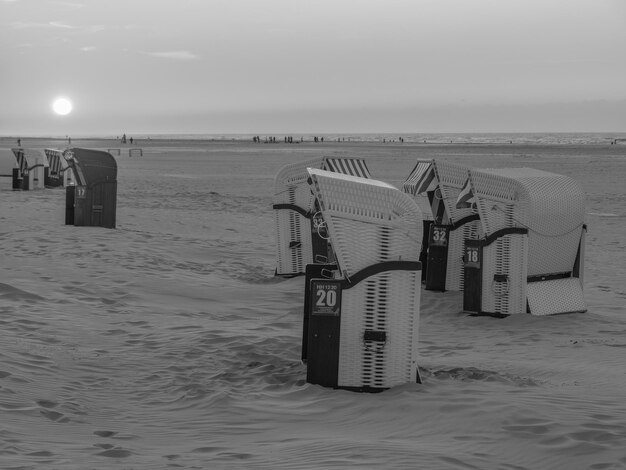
<point x="131" y="141"/>
<point x="19" y="142"/>
<point x="124" y="139"/>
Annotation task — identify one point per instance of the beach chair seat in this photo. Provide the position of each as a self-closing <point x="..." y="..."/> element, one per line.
<point x="531" y="257"/>
<point x="439" y="183"/>
<point x="375" y="232"/>
<point x="300" y="236"/>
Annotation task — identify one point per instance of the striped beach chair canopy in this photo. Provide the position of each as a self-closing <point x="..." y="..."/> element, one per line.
<point x="441" y="182"/>
<point x="421" y="178"/>
<point x="56" y="162"/>
<point x="347" y="166"/>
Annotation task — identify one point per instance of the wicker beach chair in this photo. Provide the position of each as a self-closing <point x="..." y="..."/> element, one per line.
<point x="92" y="201"/>
<point x="439" y="183"/>
<point x="375" y="231"/>
<point x="300" y="239"/>
<point x="32" y="167"/>
<point x="531" y="256"/>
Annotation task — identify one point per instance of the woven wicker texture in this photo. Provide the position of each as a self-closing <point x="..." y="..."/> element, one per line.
<point x="556" y="296"/>
<point x="386" y="302"/>
<point x="368" y="221"/>
<point x="507" y="258"/>
<point x="293" y="230"/>
<point x="451" y="178"/>
<point x="551" y="206"/>
<point x="456" y="250"/>
<point x="291" y="227"/>
<point x="290" y="184"/>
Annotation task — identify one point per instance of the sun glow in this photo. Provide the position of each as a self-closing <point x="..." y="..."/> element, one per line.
<point x="62" y="106"/>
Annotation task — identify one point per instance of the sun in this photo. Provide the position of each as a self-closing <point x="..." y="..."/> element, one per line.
<point x="62" y="106"/>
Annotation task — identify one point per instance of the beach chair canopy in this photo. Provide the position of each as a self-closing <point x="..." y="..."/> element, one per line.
<point x="550" y="206"/>
<point x="56" y="162"/>
<point x="442" y="182"/>
<point x="291" y="181"/>
<point x="91" y="166"/>
<point x="420" y="178"/>
<point x="27" y="159"/>
<point x="369" y="221"/>
<point x="295" y="212"/>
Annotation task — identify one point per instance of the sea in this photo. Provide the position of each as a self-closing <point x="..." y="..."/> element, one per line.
<point x="563" y="138"/>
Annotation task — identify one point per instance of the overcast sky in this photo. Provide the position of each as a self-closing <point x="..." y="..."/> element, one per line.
<point x="299" y="66"/>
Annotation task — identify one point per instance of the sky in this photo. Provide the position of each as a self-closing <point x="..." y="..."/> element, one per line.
<point x="312" y="66"/>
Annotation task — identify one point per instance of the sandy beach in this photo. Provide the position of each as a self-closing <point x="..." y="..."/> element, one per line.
<point x="168" y="342"/>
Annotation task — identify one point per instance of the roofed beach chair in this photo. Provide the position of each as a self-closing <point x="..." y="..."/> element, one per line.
<point x="530" y="258"/>
<point x="59" y="173"/>
<point x="92" y="201"/>
<point x="300" y="236"/>
<point x="363" y="311"/>
<point x="441" y="182"/>
<point x="31" y="168"/>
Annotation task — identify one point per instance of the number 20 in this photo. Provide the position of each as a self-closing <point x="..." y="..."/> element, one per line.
<point x="326" y="298"/>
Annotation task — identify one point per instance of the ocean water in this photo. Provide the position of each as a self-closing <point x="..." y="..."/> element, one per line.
<point x="574" y="138"/>
<point x="169" y="343"/>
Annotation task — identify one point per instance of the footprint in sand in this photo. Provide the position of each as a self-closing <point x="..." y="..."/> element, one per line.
<point x="115" y="453"/>
<point x="109" y="449"/>
<point x="47" y="403"/>
<point x="54" y="416"/>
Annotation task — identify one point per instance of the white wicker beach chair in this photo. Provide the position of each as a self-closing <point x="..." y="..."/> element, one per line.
<point x="33" y="165"/>
<point x="375" y="231"/>
<point x="441" y="182"/>
<point x="298" y="239"/>
<point x="531" y="257"/>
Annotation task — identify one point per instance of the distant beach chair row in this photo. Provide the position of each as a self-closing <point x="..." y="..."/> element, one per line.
<point x="88" y="175"/>
<point x="38" y="169"/>
<point x="511" y="239"/>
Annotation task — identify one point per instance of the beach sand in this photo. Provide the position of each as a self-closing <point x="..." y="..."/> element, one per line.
<point x="168" y="342"/>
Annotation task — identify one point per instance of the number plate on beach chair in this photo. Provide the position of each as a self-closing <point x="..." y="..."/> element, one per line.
<point x="326" y="297"/>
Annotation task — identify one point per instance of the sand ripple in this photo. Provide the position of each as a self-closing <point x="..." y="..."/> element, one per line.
<point x="168" y="343"/>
